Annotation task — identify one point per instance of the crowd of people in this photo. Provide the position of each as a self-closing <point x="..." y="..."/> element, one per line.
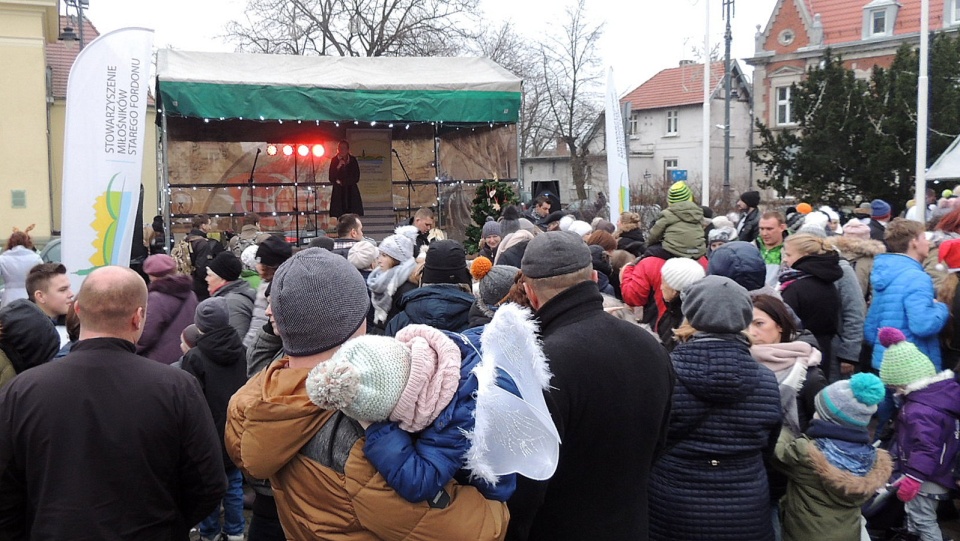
<point x="756" y="376"/>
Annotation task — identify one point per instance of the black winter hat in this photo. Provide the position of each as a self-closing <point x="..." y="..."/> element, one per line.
<point x="446" y="263"/>
<point x="273" y="251"/>
<point x="226" y="266"/>
<point x="27" y="336"/>
<point x="752" y="199"/>
<point x="510" y="221"/>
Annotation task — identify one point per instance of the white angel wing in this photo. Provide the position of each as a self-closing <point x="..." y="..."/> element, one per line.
<point x="513" y="434"/>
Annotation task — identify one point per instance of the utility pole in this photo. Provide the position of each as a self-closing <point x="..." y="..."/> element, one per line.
<point x="727" y="38"/>
<point x="707" y="94"/>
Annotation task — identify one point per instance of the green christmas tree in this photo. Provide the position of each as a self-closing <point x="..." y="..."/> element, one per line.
<point x="492" y="197"/>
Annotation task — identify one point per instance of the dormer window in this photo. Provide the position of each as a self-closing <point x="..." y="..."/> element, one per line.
<point x="878" y="22"/>
<point x="879" y="17"/>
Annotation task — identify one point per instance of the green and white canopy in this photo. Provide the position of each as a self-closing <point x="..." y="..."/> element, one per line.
<point x="329" y="88"/>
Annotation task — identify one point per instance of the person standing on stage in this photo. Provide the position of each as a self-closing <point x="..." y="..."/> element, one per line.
<point x="345" y="176"/>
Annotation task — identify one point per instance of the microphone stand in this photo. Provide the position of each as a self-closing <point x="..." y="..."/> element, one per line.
<point x="410" y="188"/>
<point x="250" y="180"/>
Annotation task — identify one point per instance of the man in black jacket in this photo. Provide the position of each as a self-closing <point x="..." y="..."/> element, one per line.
<point x="106" y="444"/>
<point x="203" y="250"/>
<point x="609" y="397"/>
<point x="748" y="228"/>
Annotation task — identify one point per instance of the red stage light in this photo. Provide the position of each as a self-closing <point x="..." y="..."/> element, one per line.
<point x="303" y="150"/>
<point x="271" y="150"/>
<point x="288" y="150"/>
<point x="318" y="150"/>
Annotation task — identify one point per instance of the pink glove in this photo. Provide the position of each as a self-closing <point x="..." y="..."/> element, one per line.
<point x="907" y="488"/>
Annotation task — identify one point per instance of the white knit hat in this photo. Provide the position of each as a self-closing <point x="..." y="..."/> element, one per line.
<point x="580" y="228"/>
<point x="679" y="272"/>
<point x="363" y="254"/>
<point x="398" y="247"/>
<point x="565" y="222"/>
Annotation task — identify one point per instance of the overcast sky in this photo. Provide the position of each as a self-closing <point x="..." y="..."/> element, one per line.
<point x="641" y="37"/>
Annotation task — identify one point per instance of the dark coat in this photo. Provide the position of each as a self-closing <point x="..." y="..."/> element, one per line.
<point x="395" y="308"/>
<point x="345" y="197"/>
<point x="171" y="305"/>
<point x="444" y="307"/>
<point x="513" y="255"/>
<point x="815" y="300"/>
<point x="136" y="458"/>
<point x="726" y="412"/>
<point x="610" y="399"/>
<point x="748" y="228"/>
<point x="219" y="362"/>
<point x="668" y="322"/>
<point x="204" y="250"/>
<point x="632" y="241"/>
<point x="876" y="230"/>
<point x="28" y="338"/>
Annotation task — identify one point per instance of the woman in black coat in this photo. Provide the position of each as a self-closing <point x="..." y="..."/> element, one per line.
<point x="345" y="177"/>
<point x="710" y="483"/>
<point x="807" y="287"/>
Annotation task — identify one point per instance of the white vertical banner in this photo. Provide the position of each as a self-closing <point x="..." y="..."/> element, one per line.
<point x="103" y="150"/>
<point x="617" y="175"/>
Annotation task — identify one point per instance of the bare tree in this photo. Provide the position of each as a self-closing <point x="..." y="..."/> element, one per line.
<point x="355" y="27"/>
<point x="572" y="88"/>
<point x="522" y="57"/>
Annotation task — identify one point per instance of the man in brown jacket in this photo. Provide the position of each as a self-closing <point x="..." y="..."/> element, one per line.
<point x="323" y="483"/>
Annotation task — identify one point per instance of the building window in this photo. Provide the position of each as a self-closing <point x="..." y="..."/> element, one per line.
<point x="784" y="111"/>
<point x="878" y="22"/>
<point x="954" y="7"/>
<point x="634" y="125"/>
<point x="673" y="122"/>
<point x="668" y="166"/>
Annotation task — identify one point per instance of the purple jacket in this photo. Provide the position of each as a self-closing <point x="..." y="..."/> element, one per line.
<point x="171" y="305"/>
<point x="928" y="429"/>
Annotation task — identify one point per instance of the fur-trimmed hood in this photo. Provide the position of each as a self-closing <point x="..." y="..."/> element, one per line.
<point x="846" y="485"/>
<point x="853" y="248"/>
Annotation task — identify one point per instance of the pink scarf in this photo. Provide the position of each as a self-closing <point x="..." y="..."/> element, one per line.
<point x="780" y="358"/>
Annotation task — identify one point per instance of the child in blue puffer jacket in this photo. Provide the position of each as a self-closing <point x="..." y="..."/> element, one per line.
<point x="415" y="395"/>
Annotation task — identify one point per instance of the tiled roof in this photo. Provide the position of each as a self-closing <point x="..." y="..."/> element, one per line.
<point x="673" y="87"/>
<point x="843" y="19"/>
<point x="61" y="54"/>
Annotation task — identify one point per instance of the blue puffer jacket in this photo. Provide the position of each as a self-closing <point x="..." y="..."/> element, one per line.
<point x="441" y="306"/>
<point x="418" y="465"/>
<point x="903" y="298"/>
<point x="711" y="483"/>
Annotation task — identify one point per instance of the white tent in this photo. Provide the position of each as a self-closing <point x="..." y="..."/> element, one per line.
<point x="947" y="165"/>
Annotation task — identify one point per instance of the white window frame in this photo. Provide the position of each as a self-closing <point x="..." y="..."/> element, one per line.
<point x="670" y="164"/>
<point x="673" y="122"/>
<point x="634" y="124"/>
<point x="784" y="103"/>
<point x="874" y="16"/>
<point x="953" y="12"/>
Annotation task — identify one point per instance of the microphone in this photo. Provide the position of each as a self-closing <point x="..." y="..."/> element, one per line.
<point x="254" y="168"/>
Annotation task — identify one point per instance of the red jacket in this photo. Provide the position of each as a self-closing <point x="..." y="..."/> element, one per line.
<point x="642" y="279"/>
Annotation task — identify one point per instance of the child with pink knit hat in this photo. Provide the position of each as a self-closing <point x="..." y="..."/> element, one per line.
<point x="416" y="396"/>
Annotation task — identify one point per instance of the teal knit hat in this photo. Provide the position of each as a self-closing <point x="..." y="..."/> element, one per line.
<point x="902" y="362"/>
<point x="850" y="402"/>
<point x="679" y="193"/>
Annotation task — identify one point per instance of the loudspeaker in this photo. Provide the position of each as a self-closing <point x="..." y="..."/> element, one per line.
<point x="549" y="188"/>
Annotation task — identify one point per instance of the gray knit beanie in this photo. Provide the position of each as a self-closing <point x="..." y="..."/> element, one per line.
<point x="497" y="283"/>
<point x="717" y="304"/>
<point x="319" y="300"/>
<point x="212" y="314"/>
<point x="490" y="227"/>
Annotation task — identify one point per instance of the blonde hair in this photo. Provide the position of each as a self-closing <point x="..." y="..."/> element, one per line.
<point x="628" y="222"/>
<point x="686" y="331"/>
<point x="807" y="244"/>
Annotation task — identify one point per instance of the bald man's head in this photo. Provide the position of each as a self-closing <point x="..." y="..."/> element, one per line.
<point x="112" y="301"/>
